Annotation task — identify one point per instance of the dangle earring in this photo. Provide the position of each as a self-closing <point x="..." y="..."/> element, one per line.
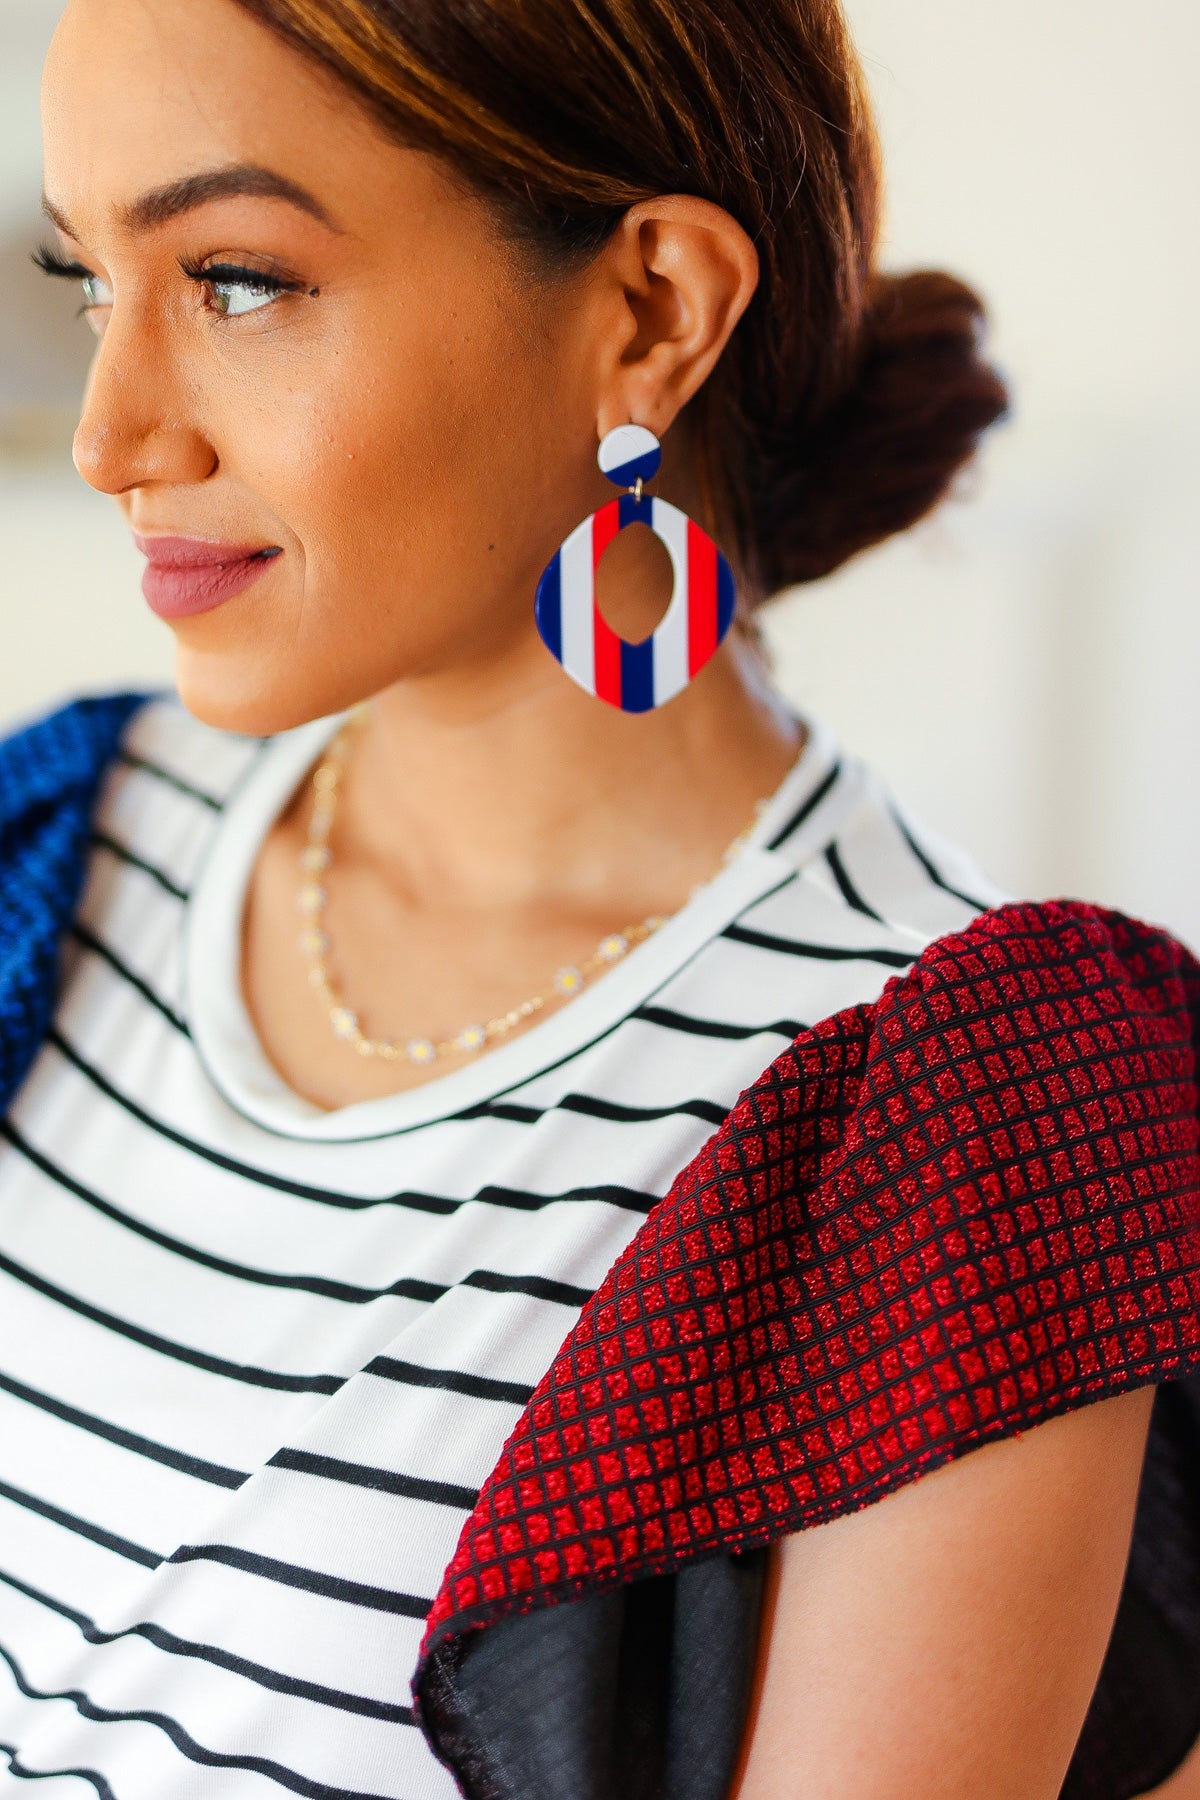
<point x="634" y="676"/>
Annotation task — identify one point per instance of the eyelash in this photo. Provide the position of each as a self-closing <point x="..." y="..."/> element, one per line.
<point x="51" y="263"/>
<point x="235" y="275"/>
<point x="231" y="274"/>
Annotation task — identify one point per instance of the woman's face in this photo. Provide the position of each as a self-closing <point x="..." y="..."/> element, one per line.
<point x="309" y="342"/>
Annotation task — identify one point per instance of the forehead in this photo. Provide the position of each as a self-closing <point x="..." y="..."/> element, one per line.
<point x="137" y="94"/>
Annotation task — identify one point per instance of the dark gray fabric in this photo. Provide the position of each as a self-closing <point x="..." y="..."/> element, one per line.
<point x="1145" y="1713"/>
<point x="639" y="1693"/>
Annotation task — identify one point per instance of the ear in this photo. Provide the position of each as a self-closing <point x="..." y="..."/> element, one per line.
<point x="674" y="279"/>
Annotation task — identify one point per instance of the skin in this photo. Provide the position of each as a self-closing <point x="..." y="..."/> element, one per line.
<point x="946" y="1640"/>
<point x="415" y="427"/>
<point x="418" y="435"/>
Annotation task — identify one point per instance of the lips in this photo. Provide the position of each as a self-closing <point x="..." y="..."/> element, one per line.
<point x="192" y="575"/>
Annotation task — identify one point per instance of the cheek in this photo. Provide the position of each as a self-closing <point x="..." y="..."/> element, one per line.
<point x="419" y="479"/>
<point x="416" y="481"/>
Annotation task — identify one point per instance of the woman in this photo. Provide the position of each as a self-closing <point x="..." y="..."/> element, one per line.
<point x="401" y="1290"/>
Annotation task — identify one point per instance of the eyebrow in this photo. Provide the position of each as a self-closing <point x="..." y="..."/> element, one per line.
<point x="174" y="198"/>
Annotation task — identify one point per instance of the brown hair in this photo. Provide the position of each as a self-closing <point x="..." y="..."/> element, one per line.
<point x="845" y="400"/>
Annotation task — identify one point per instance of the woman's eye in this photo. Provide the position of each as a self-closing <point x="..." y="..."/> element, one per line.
<point x="234" y="297"/>
<point x="231" y="290"/>
<point x="96" y="292"/>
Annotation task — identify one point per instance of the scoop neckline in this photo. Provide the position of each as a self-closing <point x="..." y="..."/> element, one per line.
<point x="223" y="1032"/>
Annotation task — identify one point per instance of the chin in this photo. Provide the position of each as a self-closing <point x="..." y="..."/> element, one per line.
<point x="240" y="694"/>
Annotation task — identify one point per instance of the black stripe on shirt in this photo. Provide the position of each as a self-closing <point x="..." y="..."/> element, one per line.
<point x="806" y="807"/>
<point x="382" y="1481"/>
<point x="535" y="1287"/>
<point x="593" y="1107"/>
<point x="929" y="868"/>
<point x="96" y="1534"/>
<point x="405" y="1288"/>
<point x="17" y="1768"/>
<point x="438" y="1204"/>
<point x="159" y="773"/>
<point x="522" y="1200"/>
<point x="88" y="938"/>
<point x="124" y="854"/>
<point x="477" y="1387"/>
<point x="311" y="1581"/>
<point x="714" y="1028"/>
<point x="172" y="1645"/>
<point x="198" y="1359"/>
<point x="183" y="1739"/>
<point x="196" y="1466"/>
<point x="850" y="893"/>
<point x="431" y="1203"/>
<point x="766" y="940"/>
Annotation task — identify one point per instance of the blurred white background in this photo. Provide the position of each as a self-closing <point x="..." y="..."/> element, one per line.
<point x="1023" y="668"/>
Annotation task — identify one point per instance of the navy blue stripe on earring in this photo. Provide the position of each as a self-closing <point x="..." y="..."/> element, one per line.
<point x="644" y="468"/>
<point x="548" y="606"/>
<point x="637" y="676"/>
<point x="633" y="511"/>
<point x="726" y="596"/>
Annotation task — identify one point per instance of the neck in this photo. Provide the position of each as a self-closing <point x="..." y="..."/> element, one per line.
<point x="509" y="786"/>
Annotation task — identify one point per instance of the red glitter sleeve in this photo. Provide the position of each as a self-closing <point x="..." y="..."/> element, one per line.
<point x="932" y="1221"/>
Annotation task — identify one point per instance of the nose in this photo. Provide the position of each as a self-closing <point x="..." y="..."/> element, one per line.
<point x="137" y="425"/>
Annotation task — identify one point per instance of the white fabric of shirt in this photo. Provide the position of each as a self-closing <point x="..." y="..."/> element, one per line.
<point x="257" y="1358"/>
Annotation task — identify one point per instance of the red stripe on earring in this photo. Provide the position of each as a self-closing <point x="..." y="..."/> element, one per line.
<point x="702" y="597"/>
<point x="606" y="522"/>
<point x="606" y="645"/>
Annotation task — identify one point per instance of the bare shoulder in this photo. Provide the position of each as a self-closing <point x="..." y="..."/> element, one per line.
<point x="947" y="1638"/>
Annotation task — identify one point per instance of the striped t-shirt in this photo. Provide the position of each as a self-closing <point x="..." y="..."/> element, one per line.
<point x="256" y="1358"/>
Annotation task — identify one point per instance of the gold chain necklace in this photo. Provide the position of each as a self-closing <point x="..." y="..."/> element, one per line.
<point x="315" y="861"/>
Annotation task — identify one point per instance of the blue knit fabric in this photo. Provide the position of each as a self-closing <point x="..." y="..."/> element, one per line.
<point x="50" y="774"/>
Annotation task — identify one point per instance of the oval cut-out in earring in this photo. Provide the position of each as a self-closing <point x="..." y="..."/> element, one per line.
<point x="634" y="676"/>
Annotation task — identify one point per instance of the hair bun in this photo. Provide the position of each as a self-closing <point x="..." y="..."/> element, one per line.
<point x="886" y="451"/>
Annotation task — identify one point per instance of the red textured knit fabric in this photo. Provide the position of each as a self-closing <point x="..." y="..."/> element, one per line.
<point x="932" y="1221"/>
